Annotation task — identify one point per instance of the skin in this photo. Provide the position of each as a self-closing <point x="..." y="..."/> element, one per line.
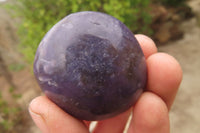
<point x="150" y="113"/>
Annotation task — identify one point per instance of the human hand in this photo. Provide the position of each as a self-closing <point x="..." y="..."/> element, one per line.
<point x="149" y="114"/>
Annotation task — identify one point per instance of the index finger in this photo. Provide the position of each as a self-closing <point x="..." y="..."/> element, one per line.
<point x="147" y="44"/>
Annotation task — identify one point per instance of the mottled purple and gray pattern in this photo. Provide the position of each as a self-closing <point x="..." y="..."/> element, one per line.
<point x="91" y="65"/>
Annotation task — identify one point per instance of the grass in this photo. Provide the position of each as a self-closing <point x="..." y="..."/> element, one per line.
<point x="16" y="67"/>
<point x="9" y="115"/>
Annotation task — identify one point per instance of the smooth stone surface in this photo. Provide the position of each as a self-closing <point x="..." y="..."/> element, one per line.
<point x="91" y="65"/>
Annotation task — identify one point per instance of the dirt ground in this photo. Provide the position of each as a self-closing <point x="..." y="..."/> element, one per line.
<point x="23" y="80"/>
<point x="184" y="116"/>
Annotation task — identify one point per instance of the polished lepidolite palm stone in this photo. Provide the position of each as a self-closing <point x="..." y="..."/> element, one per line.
<point x="91" y="65"/>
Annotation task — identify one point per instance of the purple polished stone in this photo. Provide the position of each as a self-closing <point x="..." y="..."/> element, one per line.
<point x="91" y="66"/>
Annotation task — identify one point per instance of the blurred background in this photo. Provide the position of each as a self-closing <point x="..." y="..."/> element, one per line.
<point x="173" y="24"/>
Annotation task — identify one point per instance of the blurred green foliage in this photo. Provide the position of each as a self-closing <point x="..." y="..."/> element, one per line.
<point x="16" y="67"/>
<point x="9" y="116"/>
<point x="39" y="16"/>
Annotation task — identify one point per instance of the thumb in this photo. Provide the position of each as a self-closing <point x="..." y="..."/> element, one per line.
<point x="51" y="119"/>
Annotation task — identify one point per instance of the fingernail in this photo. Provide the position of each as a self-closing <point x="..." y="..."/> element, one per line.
<point x="37" y="117"/>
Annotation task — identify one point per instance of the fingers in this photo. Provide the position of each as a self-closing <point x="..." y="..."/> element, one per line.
<point x="150" y="115"/>
<point x="164" y="76"/>
<point x="150" y="112"/>
<point x="164" y="72"/>
<point x="113" y="125"/>
<point x="51" y="119"/>
<point x="147" y="45"/>
<point x="87" y="123"/>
